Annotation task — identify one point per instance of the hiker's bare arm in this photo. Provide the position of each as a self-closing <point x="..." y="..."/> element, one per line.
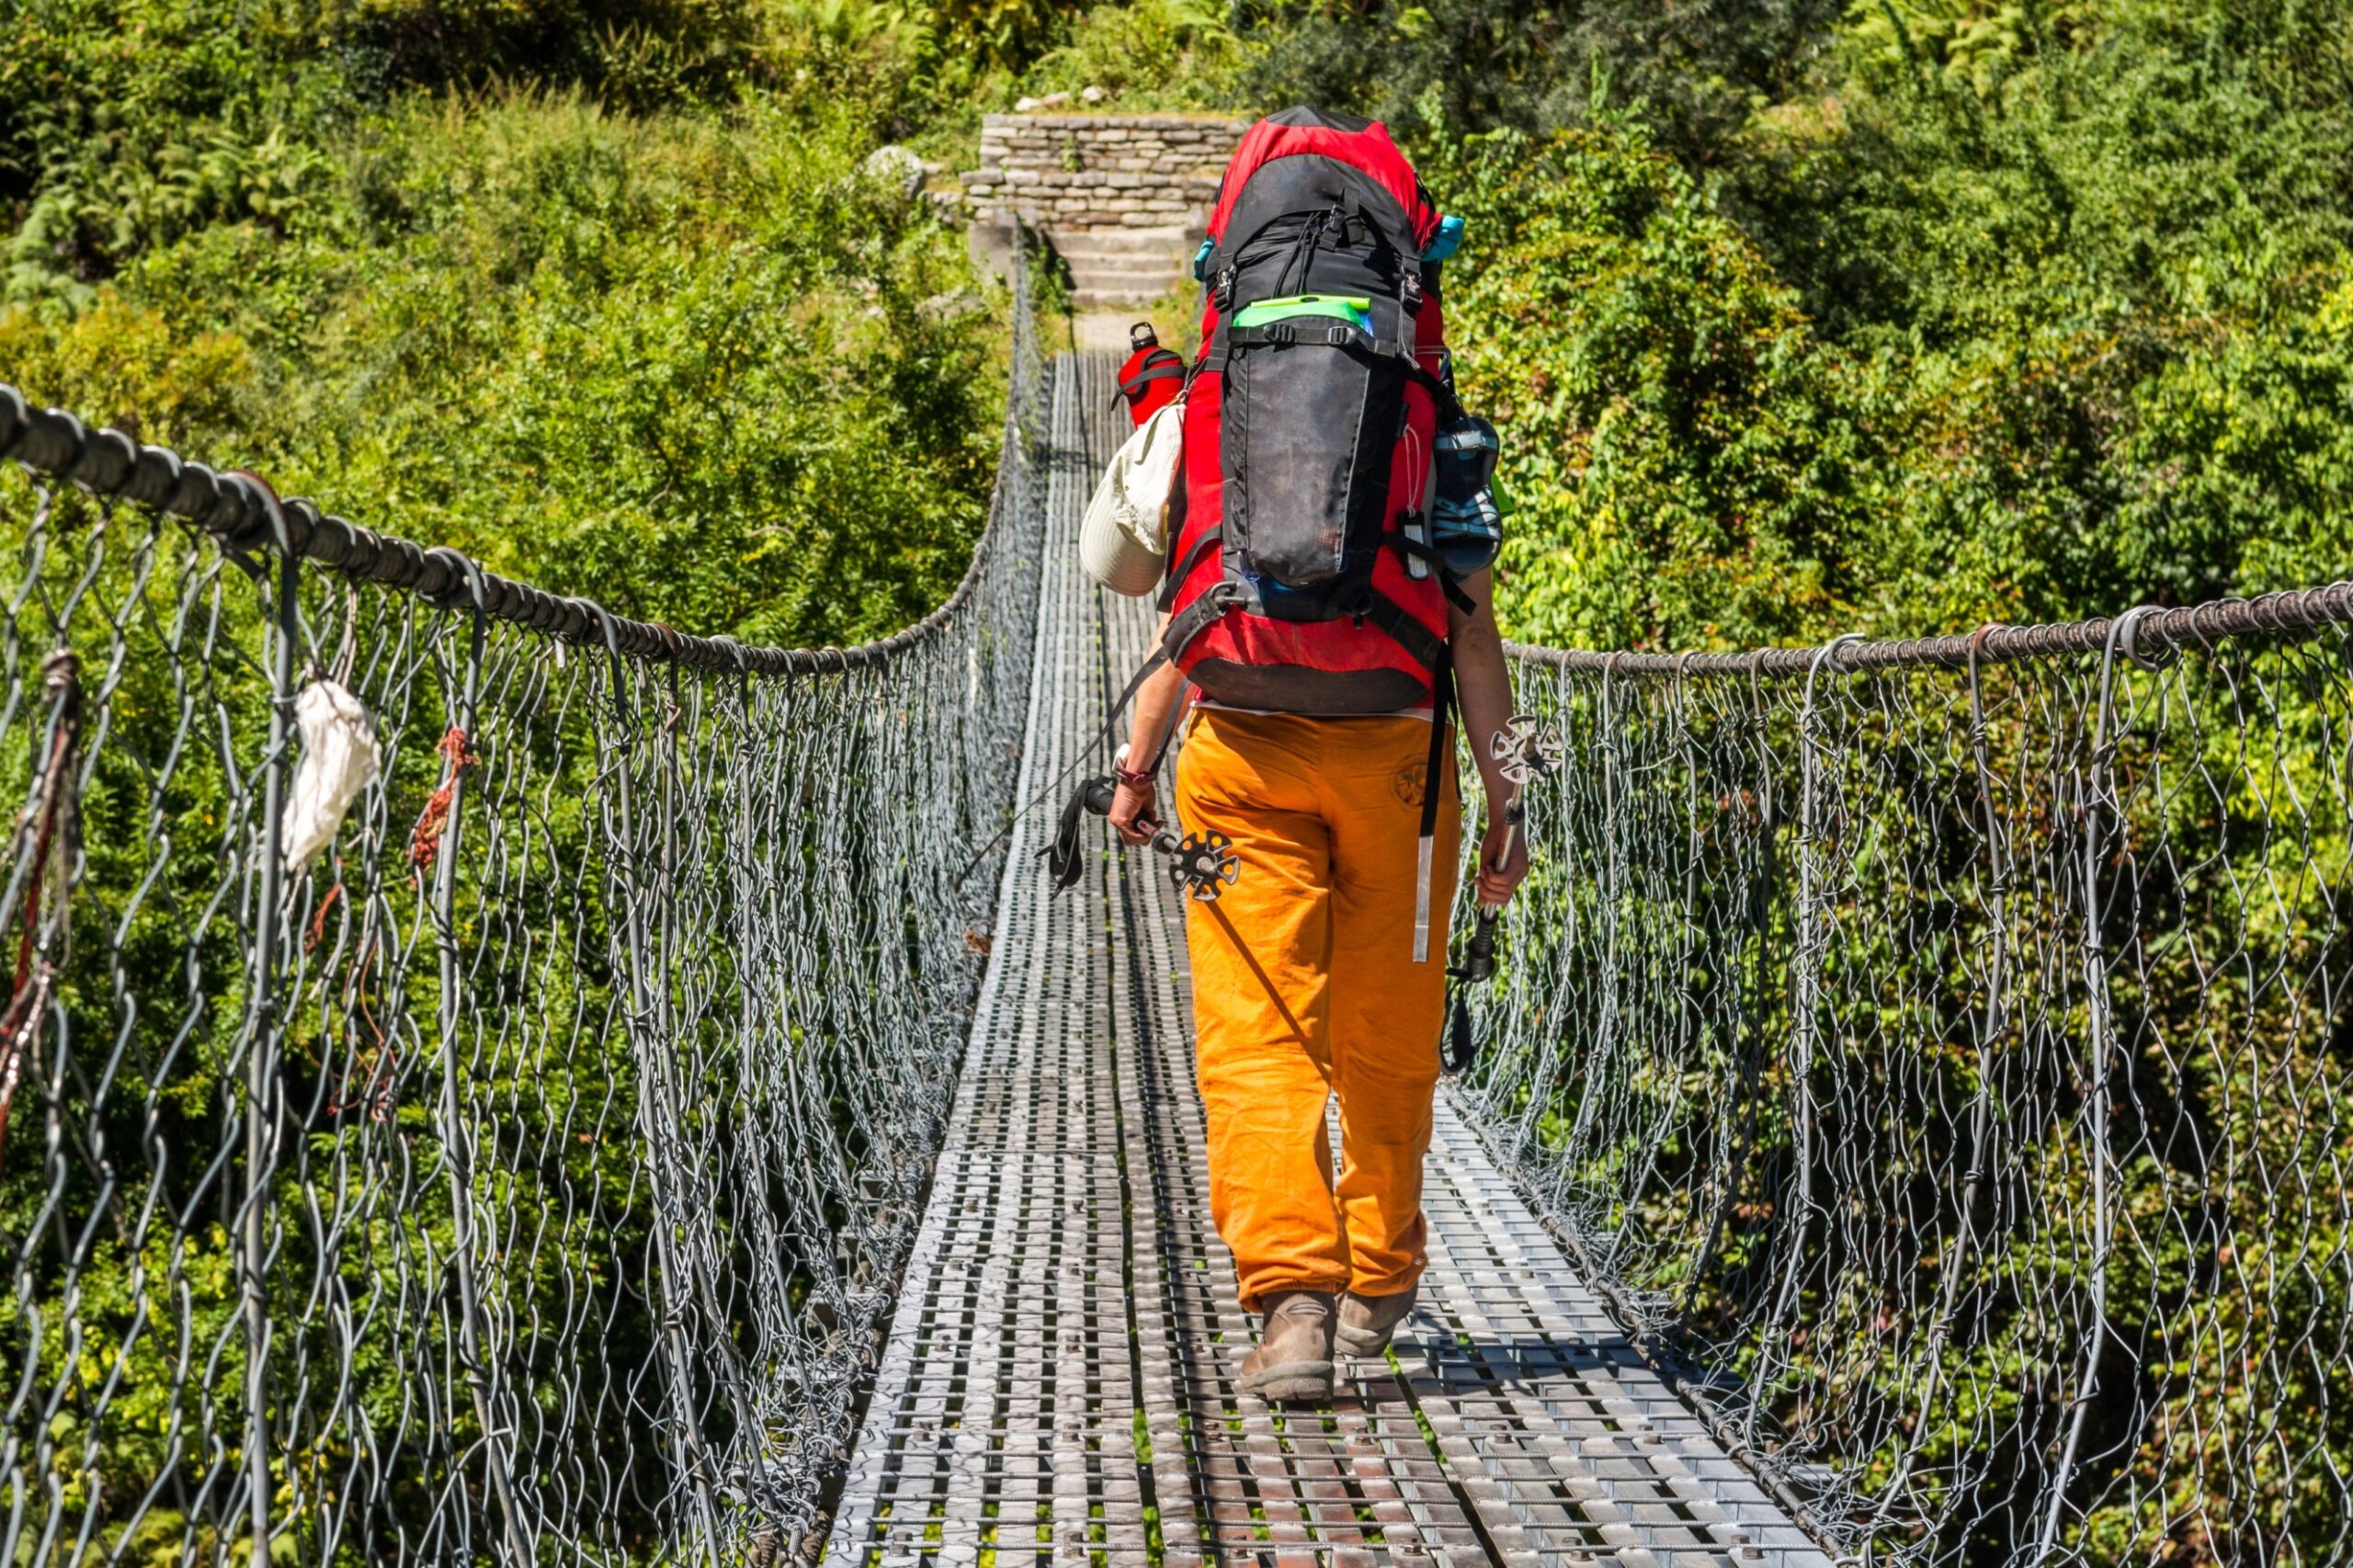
<point x="1136" y="812"/>
<point x="1483" y="683"/>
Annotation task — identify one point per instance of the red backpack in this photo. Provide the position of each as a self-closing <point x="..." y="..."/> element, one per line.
<point x="1302" y="577"/>
<point x="1301" y="573"/>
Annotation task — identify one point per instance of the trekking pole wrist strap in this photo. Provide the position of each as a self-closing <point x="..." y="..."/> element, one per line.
<point x="1141" y="778"/>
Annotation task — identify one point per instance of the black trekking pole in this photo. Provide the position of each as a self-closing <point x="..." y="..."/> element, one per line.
<point x="1202" y="864"/>
<point x="1525" y="750"/>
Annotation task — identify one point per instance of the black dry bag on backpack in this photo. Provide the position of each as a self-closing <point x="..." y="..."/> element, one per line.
<point x="1317" y="293"/>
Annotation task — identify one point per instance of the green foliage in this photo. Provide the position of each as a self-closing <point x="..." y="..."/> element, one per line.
<point x="1147" y="54"/>
<point x="1676" y="438"/>
<point x="1534" y="64"/>
<point x="1007" y="31"/>
<point x="2040" y="264"/>
<point x="638" y="53"/>
<point x="120" y="358"/>
<point x="126" y="124"/>
<point x="1927" y="355"/>
<point x="1969" y="44"/>
<point x="573" y="342"/>
<point x="2141" y="177"/>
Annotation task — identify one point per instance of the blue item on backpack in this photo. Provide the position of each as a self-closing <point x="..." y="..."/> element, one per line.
<point x="1466" y="522"/>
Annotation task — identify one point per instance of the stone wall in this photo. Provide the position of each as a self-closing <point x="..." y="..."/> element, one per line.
<point x="1122" y="199"/>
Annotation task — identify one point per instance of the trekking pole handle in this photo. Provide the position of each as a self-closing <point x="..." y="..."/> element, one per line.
<point x="1514" y="819"/>
<point x="1097" y="794"/>
<point x="1479" y="962"/>
<point x="1202" y="864"/>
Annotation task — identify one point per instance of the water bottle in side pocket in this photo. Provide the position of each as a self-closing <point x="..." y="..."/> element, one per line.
<point x="1466" y="522"/>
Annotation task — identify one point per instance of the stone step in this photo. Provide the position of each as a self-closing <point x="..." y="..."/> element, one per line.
<point x="1095" y="241"/>
<point x="1128" y="266"/>
<point x="1081" y="255"/>
<point x="1121" y="300"/>
<point x="1122" y="277"/>
<point x="1132" y="271"/>
<point x="1108" y="274"/>
<point x="1175" y="255"/>
<point x="1113" y="290"/>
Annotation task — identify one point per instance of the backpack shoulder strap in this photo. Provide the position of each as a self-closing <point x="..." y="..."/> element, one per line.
<point x="1181" y="566"/>
<point x="1424" y="647"/>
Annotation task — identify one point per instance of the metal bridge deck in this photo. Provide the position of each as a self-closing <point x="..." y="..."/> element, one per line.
<point x="1059" y="1382"/>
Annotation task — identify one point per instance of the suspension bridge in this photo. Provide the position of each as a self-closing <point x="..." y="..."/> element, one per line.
<point x="1913" y="1124"/>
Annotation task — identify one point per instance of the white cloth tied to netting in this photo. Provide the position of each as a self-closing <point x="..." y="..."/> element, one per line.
<point x="340" y="758"/>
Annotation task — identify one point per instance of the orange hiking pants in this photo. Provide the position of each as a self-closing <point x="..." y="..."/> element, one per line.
<point x="1305" y="985"/>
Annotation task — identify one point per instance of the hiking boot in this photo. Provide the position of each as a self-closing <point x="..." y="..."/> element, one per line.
<point x="1367" y="1321"/>
<point x="1293" y="1360"/>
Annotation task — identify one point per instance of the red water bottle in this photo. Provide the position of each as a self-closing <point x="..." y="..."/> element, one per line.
<point x="1152" y="376"/>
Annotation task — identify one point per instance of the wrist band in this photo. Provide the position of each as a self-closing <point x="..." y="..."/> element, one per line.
<point x="1135" y="777"/>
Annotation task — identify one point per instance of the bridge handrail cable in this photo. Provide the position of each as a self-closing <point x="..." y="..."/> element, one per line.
<point x="2152" y="632"/>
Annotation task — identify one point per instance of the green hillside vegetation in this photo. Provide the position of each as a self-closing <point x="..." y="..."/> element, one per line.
<point x="1998" y="313"/>
<point x="1798" y="322"/>
<point x="678" y="351"/>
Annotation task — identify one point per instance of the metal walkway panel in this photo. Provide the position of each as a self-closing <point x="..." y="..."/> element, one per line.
<point x="1059" y="1382"/>
<point x="1003" y="1416"/>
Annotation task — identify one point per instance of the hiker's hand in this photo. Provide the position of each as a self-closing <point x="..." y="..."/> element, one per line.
<point x="1498" y="875"/>
<point x="1132" y="813"/>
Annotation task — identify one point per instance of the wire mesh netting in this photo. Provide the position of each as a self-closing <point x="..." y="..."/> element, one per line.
<point x="1941" y="1052"/>
<point x="525" y="1177"/>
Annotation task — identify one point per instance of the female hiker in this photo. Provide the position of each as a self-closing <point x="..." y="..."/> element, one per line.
<point x="1327" y="595"/>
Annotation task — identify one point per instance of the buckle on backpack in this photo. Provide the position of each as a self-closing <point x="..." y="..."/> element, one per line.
<point x="1337" y="336"/>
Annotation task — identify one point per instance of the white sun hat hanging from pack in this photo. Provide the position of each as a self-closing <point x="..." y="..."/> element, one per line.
<point x="1123" y="539"/>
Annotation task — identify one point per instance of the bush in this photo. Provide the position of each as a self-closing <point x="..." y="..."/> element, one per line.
<point x="1425" y="65"/>
<point x="127" y="124"/>
<point x="1677" y="441"/>
<point x="577" y="344"/>
<point x="2036" y="258"/>
<point x="1147" y="54"/>
<point x="2027" y="333"/>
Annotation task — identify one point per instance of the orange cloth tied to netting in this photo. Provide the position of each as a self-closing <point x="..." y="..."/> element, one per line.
<point x="1305" y="987"/>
